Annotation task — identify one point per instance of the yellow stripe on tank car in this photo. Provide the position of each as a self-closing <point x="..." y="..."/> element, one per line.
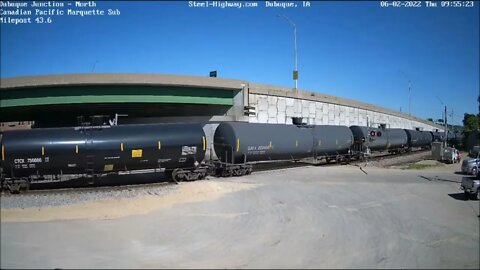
<point x="238" y="144"/>
<point x="270" y="145"/>
<point x="3" y="152"/>
<point x="159" y="145"/>
<point x="296" y="143"/>
<point x="76" y="149"/>
<point x="121" y="147"/>
<point x="43" y="151"/>
<point x="204" y="143"/>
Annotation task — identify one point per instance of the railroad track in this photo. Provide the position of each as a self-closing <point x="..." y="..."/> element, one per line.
<point x="377" y="157"/>
<point x="146" y="181"/>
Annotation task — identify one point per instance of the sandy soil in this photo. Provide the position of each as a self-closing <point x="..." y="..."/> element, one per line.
<point x="188" y="192"/>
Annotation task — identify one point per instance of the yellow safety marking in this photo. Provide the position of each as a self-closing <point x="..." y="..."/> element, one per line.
<point x="136" y="153"/>
<point x="76" y="149"/>
<point x="121" y="147"/>
<point x="108" y="167"/>
<point x="336" y="141"/>
<point x="270" y="145"/>
<point x="319" y="142"/>
<point x="296" y="143"/>
<point x="43" y="151"/>
<point x="159" y="145"/>
<point x="238" y="144"/>
<point x="204" y="143"/>
<point x="3" y="152"/>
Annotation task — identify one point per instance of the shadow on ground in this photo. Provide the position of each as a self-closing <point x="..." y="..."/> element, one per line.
<point x="458" y="196"/>
<point x="437" y="179"/>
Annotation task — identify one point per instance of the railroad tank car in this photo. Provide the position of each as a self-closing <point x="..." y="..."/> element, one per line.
<point x="370" y="137"/>
<point x="450" y="135"/>
<point x="332" y="140"/>
<point x="239" y="142"/>
<point x="97" y="150"/>
<point x="397" y="139"/>
<point x="418" y="138"/>
<point x="435" y="136"/>
<point x="427" y="139"/>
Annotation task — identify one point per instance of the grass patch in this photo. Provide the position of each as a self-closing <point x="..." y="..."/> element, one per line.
<point x="418" y="166"/>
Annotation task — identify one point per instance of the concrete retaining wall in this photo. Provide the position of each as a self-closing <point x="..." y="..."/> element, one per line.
<point x="278" y="109"/>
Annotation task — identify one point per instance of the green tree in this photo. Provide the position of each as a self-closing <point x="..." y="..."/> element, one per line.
<point x="471" y="122"/>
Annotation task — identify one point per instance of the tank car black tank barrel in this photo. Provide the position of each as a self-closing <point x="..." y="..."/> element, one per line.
<point x="238" y="142"/>
<point x="102" y="149"/>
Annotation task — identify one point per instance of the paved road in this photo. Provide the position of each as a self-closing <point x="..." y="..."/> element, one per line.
<point x="309" y="217"/>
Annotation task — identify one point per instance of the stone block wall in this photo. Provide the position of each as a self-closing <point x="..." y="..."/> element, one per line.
<point x="280" y="110"/>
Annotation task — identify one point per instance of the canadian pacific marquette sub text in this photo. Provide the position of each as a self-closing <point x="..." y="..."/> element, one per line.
<point x="25" y="12"/>
<point x="52" y="11"/>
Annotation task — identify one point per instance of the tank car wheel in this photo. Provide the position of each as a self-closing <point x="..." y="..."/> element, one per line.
<point x="176" y="175"/>
<point x="249" y="171"/>
<point x="24" y="185"/>
<point x="226" y="173"/>
<point x="191" y="176"/>
<point x="14" y="188"/>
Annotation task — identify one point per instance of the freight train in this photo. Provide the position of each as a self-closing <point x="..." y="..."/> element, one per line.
<point x="179" y="149"/>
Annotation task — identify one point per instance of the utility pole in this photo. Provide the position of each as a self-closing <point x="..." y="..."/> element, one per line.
<point x="93" y="68"/>
<point x="445" y="122"/>
<point x="409" y="98"/>
<point x="446" y="127"/>
<point x="451" y="117"/>
<point x="295" y="72"/>
<point x="409" y="92"/>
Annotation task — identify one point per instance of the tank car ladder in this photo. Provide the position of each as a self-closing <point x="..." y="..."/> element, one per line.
<point x="90" y="169"/>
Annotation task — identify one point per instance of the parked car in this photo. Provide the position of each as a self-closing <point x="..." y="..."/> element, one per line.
<point x="471" y="186"/>
<point x="471" y="164"/>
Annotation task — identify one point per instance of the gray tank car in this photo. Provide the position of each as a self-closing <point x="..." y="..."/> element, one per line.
<point x="332" y="142"/>
<point x="238" y="142"/>
<point x="418" y="139"/>
<point x="397" y="139"/>
<point x="370" y="137"/>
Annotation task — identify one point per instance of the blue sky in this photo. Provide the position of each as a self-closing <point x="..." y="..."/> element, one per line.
<point x="356" y="50"/>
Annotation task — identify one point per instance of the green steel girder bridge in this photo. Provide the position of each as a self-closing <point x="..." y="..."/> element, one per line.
<point x="57" y="100"/>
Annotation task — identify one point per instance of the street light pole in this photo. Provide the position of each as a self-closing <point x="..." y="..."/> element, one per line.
<point x="295" y="72"/>
<point x="445" y="123"/>
<point x="409" y="99"/>
<point x="445" y="140"/>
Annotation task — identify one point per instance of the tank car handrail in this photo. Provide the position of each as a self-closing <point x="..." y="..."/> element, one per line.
<point x="228" y="145"/>
<point x="91" y="127"/>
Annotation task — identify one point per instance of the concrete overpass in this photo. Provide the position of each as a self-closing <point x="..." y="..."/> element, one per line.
<point x="56" y="100"/>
